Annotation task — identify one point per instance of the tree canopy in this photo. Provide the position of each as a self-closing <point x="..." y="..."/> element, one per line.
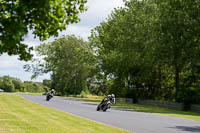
<point x="154" y="51"/>
<point x="44" y="18"/>
<point x="70" y="61"/>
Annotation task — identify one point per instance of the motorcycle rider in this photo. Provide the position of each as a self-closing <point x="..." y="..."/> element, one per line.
<point x="52" y="92"/>
<point x="111" y="98"/>
<point x="50" y="95"/>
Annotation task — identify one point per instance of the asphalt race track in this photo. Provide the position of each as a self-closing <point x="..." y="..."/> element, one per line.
<point x="138" y="122"/>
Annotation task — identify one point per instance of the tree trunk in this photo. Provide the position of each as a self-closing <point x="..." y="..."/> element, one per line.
<point x="177" y="80"/>
<point x="160" y="80"/>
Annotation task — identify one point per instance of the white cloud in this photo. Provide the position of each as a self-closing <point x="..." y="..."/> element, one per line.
<point x="8" y="61"/>
<point x="83" y="32"/>
<point x="102" y="8"/>
<point x="11" y="66"/>
<point x="97" y="12"/>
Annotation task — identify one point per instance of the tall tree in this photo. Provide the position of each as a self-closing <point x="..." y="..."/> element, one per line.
<point x="17" y="83"/>
<point x="70" y="61"/>
<point x="47" y="83"/>
<point x="8" y="86"/>
<point x="43" y="17"/>
<point x="151" y="48"/>
<point x="126" y="55"/>
<point x="178" y="34"/>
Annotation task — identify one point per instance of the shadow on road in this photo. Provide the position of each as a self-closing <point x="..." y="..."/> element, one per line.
<point x="121" y="109"/>
<point x="90" y="104"/>
<point x="195" y="129"/>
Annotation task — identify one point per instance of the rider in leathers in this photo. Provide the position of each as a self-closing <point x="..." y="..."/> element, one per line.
<point x="111" y="98"/>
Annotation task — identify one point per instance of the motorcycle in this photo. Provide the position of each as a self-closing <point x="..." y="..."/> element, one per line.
<point x="49" y="96"/>
<point x="104" y="105"/>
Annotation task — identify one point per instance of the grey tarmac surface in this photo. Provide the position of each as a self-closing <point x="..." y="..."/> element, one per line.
<point x="137" y="122"/>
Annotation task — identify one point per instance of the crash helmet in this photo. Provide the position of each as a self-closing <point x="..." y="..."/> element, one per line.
<point x="113" y="95"/>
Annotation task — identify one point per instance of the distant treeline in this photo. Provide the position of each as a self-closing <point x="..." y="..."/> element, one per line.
<point x="12" y="84"/>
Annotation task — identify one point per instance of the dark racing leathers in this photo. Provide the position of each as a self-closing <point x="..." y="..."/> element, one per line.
<point x="49" y="95"/>
<point x="110" y="98"/>
<point x="105" y="103"/>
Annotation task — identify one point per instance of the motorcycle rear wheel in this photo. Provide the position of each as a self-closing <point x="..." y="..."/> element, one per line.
<point x="104" y="108"/>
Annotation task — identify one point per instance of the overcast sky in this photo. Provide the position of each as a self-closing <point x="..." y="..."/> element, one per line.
<point x="97" y="12"/>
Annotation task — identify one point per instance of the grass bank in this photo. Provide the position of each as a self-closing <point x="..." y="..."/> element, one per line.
<point x="29" y="93"/>
<point x="21" y="116"/>
<point x="159" y="110"/>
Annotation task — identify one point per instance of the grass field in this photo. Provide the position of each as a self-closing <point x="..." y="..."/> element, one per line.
<point x="21" y="116"/>
<point x="142" y="108"/>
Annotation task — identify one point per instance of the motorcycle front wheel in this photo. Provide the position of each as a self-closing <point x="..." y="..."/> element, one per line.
<point x="47" y="98"/>
<point x="98" y="108"/>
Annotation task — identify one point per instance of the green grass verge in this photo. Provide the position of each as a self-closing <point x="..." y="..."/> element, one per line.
<point x="87" y="98"/>
<point x="29" y="93"/>
<point x="21" y="116"/>
<point x="159" y="110"/>
<point x="145" y="108"/>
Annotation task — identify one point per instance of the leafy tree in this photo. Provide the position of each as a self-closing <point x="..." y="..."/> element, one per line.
<point x="8" y="86"/>
<point x="1" y="83"/>
<point x="70" y="61"/>
<point x="178" y="35"/>
<point x="17" y="83"/>
<point x="30" y="86"/>
<point x="43" y="17"/>
<point x="125" y="56"/>
<point x="47" y="83"/>
<point x="154" y="51"/>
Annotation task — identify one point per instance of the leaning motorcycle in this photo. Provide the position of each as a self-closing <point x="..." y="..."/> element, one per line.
<point x="104" y="105"/>
<point x="48" y="96"/>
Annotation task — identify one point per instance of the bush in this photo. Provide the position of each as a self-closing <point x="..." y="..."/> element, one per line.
<point x="84" y="92"/>
<point x="188" y="96"/>
<point x="119" y="92"/>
